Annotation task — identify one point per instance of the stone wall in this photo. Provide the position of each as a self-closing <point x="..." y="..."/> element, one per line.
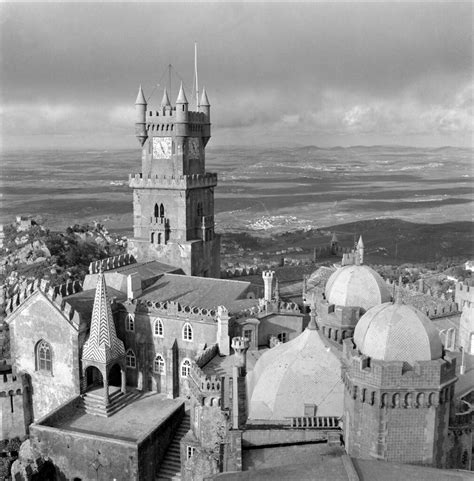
<point x="38" y="320"/>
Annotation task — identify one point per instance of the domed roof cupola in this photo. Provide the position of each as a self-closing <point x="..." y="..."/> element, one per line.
<point x="397" y="332"/>
<point x="356" y="286"/>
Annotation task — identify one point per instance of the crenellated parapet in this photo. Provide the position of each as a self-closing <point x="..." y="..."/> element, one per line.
<point x="193" y="181"/>
<point x="391" y="373"/>
<point x="398" y="398"/>
<point x="12" y="385"/>
<point x="206" y="355"/>
<point x="175" y="309"/>
<point x="52" y="293"/>
<point x="208" y="390"/>
<point x="111" y="263"/>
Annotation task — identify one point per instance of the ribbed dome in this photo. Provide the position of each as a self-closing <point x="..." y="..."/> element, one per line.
<point x="302" y="371"/>
<point x="356" y="286"/>
<point x="397" y="332"/>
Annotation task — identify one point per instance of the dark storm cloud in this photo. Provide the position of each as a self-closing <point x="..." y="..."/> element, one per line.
<point x="332" y="65"/>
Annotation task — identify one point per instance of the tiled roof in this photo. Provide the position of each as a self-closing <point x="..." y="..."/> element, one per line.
<point x="195" y="291"/>
<point x="103" y="344"/>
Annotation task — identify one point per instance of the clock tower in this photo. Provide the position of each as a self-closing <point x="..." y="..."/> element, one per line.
<point x="173" y="196"/>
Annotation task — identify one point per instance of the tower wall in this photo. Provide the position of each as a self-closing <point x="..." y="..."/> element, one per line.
<point x="173" y="196"/>
<point x="396" y="412"/>
<point x="15" y="409"/>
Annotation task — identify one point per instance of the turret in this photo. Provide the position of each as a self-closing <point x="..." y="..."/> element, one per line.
<point x="181" y="113"/>
<point x="268" y="285"/>
<point x="334" y="243"/>
<point x="165" y="101"/>
<point x="239" y="402"/>
<point x="140" y="124"/>
<point x="205" y="108"/>
<point x="360" y="250"/>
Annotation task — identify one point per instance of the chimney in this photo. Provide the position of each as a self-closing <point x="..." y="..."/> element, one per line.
<point x="134" y="285"/>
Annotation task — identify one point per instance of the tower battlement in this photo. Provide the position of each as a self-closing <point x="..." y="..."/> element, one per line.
<point x="390" y="374"/>
<point x="53" y="293"/>
<point x="192" y="181"/>
<point x="12" y="385"/>
<point x="240" y="343"/>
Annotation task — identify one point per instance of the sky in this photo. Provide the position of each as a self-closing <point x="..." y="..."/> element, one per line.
<point x="277" y="74"/>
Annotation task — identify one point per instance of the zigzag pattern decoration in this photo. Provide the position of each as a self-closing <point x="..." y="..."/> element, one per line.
<point x="103" y="344"/>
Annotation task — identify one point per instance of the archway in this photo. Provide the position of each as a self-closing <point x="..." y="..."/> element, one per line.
<point x="94" y="377"/>
<point x="115" y="376"/>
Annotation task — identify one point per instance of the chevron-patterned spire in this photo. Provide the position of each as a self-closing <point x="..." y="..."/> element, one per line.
<point x="103" y="344"/>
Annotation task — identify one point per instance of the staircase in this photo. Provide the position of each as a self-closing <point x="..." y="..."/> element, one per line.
<point x="94" y="403"/>
<point x="170" y="469"/>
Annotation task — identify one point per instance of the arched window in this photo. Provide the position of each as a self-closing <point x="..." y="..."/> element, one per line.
<point x="159" y="364"/>
<point x="187" y="332"/>
<point x="131" y="360"/>
<point x="185" y="368"/>
<point x="162" y="210"/>
<point x="43" y="356"/>
<point x="158" y="328"/>
<point x="156" y="211"/>
<point x="130" y="323"/>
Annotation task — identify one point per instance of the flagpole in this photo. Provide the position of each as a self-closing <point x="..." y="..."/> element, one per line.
<point x="196" y="74"/>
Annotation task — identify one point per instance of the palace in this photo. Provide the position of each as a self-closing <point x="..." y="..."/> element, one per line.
<point x="154" y="368"/>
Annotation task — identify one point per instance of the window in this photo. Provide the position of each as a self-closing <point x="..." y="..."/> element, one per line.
<point x="310" y="410"/>
<point x="156" y="211"/>
<point x="185" y="368"/>
<point x="43" y="356"/>
<point x="190" y="451"/>
<point x="162" y="210"/>
<point x="131" y="360"/>
<point x="187" y="332"/>
<point x="130" y="323"/>
<point x="199" y="209"/>
<point x="248" y="334"/>
<point x="159" y="364"/>
<point x="282" y="337"/>
<point x="158" y="328"/>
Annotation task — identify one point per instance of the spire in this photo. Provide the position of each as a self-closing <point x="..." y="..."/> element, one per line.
<point x="360" y="243"/>
<point x="334" y="238"/>
<point x="204" y="100"/>
<point x="165" y="101"/>
<point x="181" y="96"/>
<point x="103" y="344"/>
<point x="140" y="97"/>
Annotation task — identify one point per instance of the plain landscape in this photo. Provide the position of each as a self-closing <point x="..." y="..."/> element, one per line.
<point x="409" y="203"/>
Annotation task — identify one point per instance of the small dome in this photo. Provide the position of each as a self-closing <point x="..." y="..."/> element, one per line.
<point x="397" y="332"/>
<point x="356" y="286"/>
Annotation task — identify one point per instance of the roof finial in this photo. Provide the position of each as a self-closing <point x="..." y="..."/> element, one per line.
<point x="165" y="101"/>
<point x="181" y="96"/>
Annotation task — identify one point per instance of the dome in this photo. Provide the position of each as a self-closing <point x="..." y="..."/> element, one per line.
<point x="397" y="332"/>
<point x="302" y="371"/>
<point x="356" y="286"/>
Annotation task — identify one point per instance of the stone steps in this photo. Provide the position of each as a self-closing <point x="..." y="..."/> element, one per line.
<point x="170" y="469"/>
<point x="95" y="404"/>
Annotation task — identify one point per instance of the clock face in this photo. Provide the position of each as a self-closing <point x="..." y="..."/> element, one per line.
<point x="193" y="147"/>
<point x="161" y="147"/>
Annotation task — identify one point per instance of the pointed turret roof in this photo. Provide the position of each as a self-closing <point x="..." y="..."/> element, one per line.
<point x="334" y="237"/>
<point x="165" y="101"/>
<point x="140" y="97"/>
<point x="360" y="243"/>
<point x="204" y="100"/>
<point x="103" y="345"/>
<point x="181" y="96"/>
